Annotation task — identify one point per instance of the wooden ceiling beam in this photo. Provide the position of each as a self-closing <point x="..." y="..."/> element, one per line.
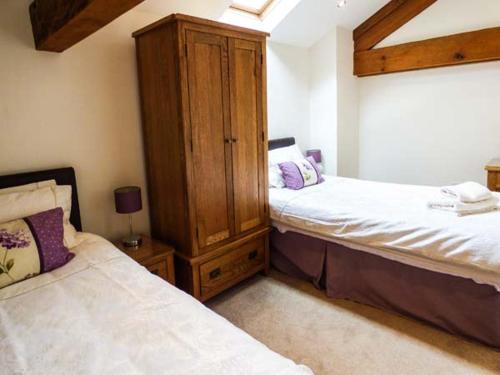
<point x="60" y="24"/>
<point x="387" y="20"/>
<point x="383" y="12"/>
<point x="457" y="49"/>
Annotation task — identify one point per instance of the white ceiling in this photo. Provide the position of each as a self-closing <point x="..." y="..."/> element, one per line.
<point x="211" y="9"/>
<point x="312" y="19"/>
<point x="305" y="24"/>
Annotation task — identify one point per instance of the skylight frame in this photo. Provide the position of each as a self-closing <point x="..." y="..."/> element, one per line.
<point x="253" y="11"/>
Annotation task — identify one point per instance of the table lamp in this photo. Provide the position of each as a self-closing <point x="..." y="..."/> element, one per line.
<point x="127" y="201"/>
<point x="316" y="155"/>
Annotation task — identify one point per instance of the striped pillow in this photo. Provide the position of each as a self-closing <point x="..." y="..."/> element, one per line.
<point x="301" y="173"/>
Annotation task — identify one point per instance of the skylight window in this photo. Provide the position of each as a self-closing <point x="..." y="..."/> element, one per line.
<point x="256" y="7"/>
<point x="262" y="15"/>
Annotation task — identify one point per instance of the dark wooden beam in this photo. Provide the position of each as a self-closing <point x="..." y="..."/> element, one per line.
<point x="464" y="48"/>
<point x="387" y="20"/>
<point x="60" y="24"/>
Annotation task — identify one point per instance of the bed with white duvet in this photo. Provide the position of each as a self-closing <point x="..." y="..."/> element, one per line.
<point x="416" y="251"/>
<point x="393" y="221"/>
<point x="97" y="311"/>
<point x="102" y="313"/>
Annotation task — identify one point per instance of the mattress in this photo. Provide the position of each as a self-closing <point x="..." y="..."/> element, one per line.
<point x="393" y="221"/>
<point x="102" y="313"/>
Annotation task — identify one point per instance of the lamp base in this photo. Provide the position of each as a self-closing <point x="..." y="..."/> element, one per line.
<point x="134" y="240"/>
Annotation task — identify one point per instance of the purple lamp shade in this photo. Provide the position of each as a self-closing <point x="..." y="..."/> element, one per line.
<point x="316" y="154"/>
<point x="128" y="199"/>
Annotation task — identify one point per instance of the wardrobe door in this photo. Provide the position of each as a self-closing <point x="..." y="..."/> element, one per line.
<point x="207" y="64"/>
<point x="245" y="71"/>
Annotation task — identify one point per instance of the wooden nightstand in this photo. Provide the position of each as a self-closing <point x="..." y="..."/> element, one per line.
<point x="156" y="256"/>
<point x="493" y="168"/>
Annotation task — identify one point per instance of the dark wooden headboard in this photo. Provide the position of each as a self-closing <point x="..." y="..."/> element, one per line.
<point x="63" y="176"/>
<point x="281" y="142"/>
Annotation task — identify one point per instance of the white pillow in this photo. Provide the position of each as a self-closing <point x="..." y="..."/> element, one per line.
<point x="276" y="177"/>
<point x="25" y="203"/>
<point x="28" y="187"/>
<point x="283" y="154"/>
<point x="62" y="194"/>
<point x="277" y="156"/>
<point x="17" y="205"/>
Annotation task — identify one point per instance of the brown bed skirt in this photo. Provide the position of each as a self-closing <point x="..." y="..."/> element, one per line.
<point x="455" y="304"/>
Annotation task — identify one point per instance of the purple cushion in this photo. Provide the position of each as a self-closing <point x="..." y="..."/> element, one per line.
<point x="31" y="246"/>
<point x="48" y="230"/>
<point x="301" y="173"/>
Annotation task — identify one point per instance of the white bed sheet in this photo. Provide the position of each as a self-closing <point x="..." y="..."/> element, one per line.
<point x="393" y="221"/>
<point x="102" y="313"/>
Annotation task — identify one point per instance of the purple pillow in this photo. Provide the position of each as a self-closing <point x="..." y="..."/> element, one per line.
<point x="301" y="173"/>
<point x="32" y="246"/>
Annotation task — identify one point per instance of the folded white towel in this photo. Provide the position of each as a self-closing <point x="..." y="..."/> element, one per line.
<point x="468" y="192"/>
<point x="462" y="209"/>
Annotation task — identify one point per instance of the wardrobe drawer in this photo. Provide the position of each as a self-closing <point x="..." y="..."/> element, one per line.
<point x="222" y="272"/>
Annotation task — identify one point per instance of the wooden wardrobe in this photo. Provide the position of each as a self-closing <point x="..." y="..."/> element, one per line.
<point x="203" y="96"/>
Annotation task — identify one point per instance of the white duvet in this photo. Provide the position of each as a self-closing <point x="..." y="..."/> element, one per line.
<point x="393" y="221"/>
<point x="102" y="313"/>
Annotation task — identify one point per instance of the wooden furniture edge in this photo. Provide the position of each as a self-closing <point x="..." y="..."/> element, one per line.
<point x="232" y="283"/>
<point x="492" y="168"/>
<point x="183" y="17"/>
<point x="166" y="255"/>
<point x="223" y="249"/>
<point x="171" y="269"/>
<point x="148" y="241"/>
<point x="493" y="165"/>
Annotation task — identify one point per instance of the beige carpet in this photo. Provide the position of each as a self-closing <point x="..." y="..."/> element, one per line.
<point x="341" y="337"/>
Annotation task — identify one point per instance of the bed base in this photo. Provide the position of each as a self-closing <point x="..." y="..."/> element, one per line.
<point x="457" y="305"/>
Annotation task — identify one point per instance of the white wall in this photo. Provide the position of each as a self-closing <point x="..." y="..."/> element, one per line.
<point x="434" y="126"/>
<point x="347" y="107"/>
<point x="288" y="93"/>
<point x="334" y="102"/>
<point x="79" y="108"/>
<point x="323" y="99"/>
<point x="430" y="127"/>
<point x="313" y="96"/>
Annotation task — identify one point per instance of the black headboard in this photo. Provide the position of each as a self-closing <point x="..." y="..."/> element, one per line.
<point x="63" y="176"/>
<point x="281" y="142"/>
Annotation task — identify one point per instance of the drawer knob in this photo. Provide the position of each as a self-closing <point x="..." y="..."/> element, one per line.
<point x="214" y="273"/>
<point x="252" y="255"/>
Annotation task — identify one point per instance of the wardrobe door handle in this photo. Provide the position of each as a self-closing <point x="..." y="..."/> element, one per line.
<point x="234" y="140"/>
<point x="252" y="255"/>
<point x="214" y="273"/>
<point x="227" y="140"/>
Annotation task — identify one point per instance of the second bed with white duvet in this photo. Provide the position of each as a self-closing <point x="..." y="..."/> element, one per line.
<point x="393" y="221"/>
